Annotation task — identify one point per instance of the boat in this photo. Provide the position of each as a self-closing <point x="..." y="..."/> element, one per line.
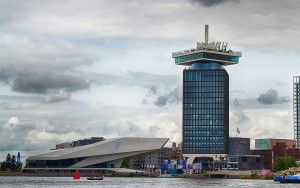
<point x="76" y="175"/>
<point x="95" y="178"/>
<point x="288" y="178"/>
<point x="278" y="178"/>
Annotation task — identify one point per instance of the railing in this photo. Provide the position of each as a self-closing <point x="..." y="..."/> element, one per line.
<point x="183" y="52"/>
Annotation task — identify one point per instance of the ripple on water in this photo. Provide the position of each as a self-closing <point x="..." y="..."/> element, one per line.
<point x="55" y="182"/>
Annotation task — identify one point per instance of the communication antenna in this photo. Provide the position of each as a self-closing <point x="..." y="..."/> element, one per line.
<point x="224" y="46"/>
<point x="206" y="34"/>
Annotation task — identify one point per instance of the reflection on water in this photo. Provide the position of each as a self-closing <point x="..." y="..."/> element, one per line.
<point x="54" y="182"/>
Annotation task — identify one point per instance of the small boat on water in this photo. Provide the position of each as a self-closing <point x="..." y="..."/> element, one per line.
<point x="95" y="178"/>
<point x="288" y="178"/>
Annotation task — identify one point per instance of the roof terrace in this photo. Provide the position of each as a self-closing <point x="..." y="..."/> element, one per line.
<point x="208" y="52"/>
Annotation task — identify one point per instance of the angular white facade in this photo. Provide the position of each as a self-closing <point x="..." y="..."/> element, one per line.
<point x="110" y="152"/>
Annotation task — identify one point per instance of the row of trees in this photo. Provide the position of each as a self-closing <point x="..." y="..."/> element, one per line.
<point x="12" y="163"/>
<point x="283" y="163"/>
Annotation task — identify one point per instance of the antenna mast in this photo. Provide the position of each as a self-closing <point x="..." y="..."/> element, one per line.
<point x="206" y="34"/>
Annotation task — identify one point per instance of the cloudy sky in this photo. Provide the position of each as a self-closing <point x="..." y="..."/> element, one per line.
<point x="103" y="68"/>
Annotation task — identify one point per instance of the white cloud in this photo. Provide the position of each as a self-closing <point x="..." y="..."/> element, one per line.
<point x="263" y="25"/>
<point x="42" y="137"/>
<point x="12" y="123"/>
<point x="261" y="121"/>
<point x="57" y="97"/>
<point x="113" y="46"/>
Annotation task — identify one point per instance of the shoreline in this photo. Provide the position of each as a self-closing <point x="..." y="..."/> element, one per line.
<point x="184" y="176"/>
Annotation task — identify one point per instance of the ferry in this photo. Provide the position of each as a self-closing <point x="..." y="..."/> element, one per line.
<point x="95" y="178"/>
<point x="288" y="179"/>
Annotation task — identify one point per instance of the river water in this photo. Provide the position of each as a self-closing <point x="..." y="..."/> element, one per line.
<point x="54" y="182"/>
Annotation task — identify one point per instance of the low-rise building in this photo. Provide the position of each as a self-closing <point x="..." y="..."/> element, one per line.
<point x="153" y="161"/>
<point x="238" y="158"/>
<point x="270" y="149"/>
<point x="64" y="145"/>
<point x="110" y="153"/>
<point x="81" y="142"/>
<point x="150" y="161"/>
<point x="269" y="143"/>
<point x="266" y="156"/>
<point x="176" y="152"/>
<point x="87" y="141"/>
<point x="245" y="162"/>
<point x="239" y="146"/>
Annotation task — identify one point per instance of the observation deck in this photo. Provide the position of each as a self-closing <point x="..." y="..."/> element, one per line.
<point x="207" y="52"/>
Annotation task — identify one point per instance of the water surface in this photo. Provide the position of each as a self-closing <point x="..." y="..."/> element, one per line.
<point x="55" y="182"/>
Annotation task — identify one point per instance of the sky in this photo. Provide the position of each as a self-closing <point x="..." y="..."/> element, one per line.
<point x="78" y="69"/>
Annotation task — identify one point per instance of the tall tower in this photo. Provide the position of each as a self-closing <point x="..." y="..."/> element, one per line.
<point x="296" y="109"/>
<point x="205" y="117"/>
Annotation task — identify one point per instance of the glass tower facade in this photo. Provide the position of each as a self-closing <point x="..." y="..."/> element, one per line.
<point x="205" y="109"/>
<point x="296" y="109"/>
<point x="205" y="117"/>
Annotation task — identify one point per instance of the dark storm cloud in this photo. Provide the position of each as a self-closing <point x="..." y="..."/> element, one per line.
<point x="172" y="97"/>
<point x="37" y="81"/>
<point x="161" y="101"/>
<point x="271" y="97"/>
<point x="43" y="82"/>
<point x="59" y="85"/>
<point x="210" y="3"/>
<point x="6" y="74"/>
<point x="153" y="91"/>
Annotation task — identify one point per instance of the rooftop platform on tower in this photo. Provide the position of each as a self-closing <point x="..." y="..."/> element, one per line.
<point x="207" y="52"/>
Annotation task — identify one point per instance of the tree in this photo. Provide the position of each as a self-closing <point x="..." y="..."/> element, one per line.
<point x="13" y="163"/>
<point x="3" y="167"/>
<point x="7" y="163"/>
<point x="13" y="159"/>
<point x="8" y="158"/>
<point x="19" y="158"/>
<point x="283" y="163"/>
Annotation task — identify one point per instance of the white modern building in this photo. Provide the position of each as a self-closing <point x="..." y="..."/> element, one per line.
<point x="110" y="153"/>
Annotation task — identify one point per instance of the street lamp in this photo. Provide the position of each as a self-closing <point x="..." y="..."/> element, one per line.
<point x="285" y="146"/>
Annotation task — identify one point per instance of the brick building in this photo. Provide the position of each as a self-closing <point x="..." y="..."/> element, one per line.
<point x="275" y="148"/>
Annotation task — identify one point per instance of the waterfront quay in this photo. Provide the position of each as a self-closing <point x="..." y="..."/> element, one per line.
<point x="84" y="172"/>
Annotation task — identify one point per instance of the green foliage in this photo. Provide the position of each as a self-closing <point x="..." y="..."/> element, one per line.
<point x="269" y="176"/>
<point x="13" y="163"/>
<point x="283" y="163"/>
<point x="10" y="164"/>
<point x="8" y="158"/>
<point x="254" y="175"/>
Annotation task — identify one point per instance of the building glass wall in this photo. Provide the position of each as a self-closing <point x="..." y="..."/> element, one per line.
<point x="262" y="144"/>
<point x="239" y="146"/>
<point x="206" y="55"/>
<point x="205" y="109"/>
<point x="63" y="163"/>
<point x="296" y="103"/>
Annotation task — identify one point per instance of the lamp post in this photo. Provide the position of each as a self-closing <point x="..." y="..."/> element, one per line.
<point x="285" y="146"/>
